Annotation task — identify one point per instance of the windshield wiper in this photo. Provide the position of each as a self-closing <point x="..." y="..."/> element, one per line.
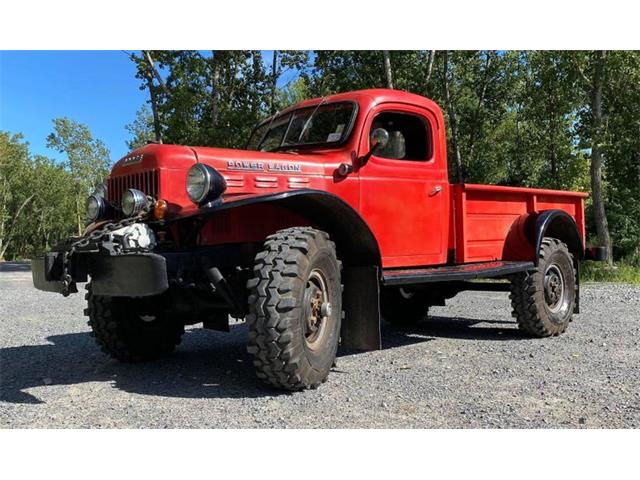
<point x="308" y="122"/>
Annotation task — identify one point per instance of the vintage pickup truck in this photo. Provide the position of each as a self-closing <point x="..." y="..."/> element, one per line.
<point x="338" y="212"/>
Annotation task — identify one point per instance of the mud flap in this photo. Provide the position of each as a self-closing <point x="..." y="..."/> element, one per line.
<point x="361" y="303"/>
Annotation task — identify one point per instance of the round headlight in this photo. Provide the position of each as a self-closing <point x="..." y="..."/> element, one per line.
<point x="96" y="208"/>
<point x="197" y="183"/>
<point x="101" y="190"/>
<point x="204" y="184"/>
<point x="133" y="201"/>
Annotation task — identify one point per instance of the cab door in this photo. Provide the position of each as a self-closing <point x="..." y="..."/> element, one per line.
<point x="404" y="194"/>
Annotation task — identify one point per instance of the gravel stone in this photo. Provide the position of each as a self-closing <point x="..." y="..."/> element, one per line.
<point x="466" y="367"/>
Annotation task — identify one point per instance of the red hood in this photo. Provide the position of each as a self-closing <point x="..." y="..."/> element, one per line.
<point x="246" y="172"/>
<point x="172" y="157"/>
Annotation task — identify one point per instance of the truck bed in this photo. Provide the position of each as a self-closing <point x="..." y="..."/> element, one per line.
<point x="486" y="215"/>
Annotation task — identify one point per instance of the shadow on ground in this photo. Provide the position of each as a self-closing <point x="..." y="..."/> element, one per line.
<point x="15" y="266"/>
<point x="206" y="365"/>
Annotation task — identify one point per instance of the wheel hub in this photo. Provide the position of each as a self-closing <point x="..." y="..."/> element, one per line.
<point x="554" y="289"/>
<point x="318" y="307"/>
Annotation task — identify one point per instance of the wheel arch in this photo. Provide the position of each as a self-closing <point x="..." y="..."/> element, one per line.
<point x="356" y="243"/>
<point x="356" y="246"/>
<point x="558" y="224"/>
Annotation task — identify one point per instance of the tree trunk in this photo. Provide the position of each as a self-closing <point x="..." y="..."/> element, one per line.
<point x="427" y="79"/>
<point x="387" y="68"/>
<point x="602" y="226"/>
<point x="475" y="127"/>
<point x="157" y="128"/>
<point x="453" y="119"/>
<point x="274" y="82"/>
<point x="215" y="81"/>
<point x="79" y="214"/>
<point x="154" y="71"/>
<point x="5" y="243"/>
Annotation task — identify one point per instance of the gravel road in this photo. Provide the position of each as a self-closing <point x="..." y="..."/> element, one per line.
<point x="467" y="367"/>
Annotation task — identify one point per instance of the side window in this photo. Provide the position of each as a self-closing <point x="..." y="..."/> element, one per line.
<point x="409" y="136"/>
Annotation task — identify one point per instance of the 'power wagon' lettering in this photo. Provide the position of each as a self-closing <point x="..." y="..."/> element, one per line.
<point x="260" y="166"/>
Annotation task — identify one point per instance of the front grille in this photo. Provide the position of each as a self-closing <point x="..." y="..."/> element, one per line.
<point x="146" y="182"/>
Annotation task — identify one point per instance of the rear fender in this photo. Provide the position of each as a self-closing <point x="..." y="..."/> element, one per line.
<point x="558" y="224"/>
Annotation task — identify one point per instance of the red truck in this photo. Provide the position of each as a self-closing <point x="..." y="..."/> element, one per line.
<point x="337" y="212"/>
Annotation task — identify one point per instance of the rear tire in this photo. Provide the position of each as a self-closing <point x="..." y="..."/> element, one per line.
<point x="403" y="308"/>
<point x="543" y="299"/>
<point x="295" y="309"/>
<point x="132" y="329"/>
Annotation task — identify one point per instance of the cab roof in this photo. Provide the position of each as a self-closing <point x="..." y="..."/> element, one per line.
<point x="369" y="97"/>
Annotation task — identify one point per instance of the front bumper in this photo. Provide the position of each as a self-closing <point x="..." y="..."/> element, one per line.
<point x="125" y="275"/>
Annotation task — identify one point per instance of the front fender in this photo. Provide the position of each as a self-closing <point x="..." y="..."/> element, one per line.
<point x="357" y="248"/>
<point x="357" y="243"/>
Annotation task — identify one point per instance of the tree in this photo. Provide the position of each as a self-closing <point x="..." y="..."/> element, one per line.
<point x="37" y="204"/>
<point x="621" y="153"/>
<point x="283" y="61"/>
<point x="388" y="74"/>
<point x="592" y="80"/>
<point x="431" y="56"/>
<point x="87" y="160"/>
<point x="147" y="71"/>
<point x="453" y="117"/>
<point x="141" y="129"/>
<point x="15" y="191"/>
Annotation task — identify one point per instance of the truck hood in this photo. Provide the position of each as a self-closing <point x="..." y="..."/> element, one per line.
<point x="246" y="172"/>
<point x="225" y="160"/>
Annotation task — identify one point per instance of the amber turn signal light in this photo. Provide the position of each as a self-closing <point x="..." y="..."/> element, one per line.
<point x="160" y="209"/>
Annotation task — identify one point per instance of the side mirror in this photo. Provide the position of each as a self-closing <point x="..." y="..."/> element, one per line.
<point x="378" y="139"/>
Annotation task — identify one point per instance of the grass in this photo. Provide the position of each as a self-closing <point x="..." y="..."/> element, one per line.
<point x="621" y="272"/>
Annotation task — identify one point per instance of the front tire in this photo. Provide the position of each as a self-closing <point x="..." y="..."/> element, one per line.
<point x="295" y="309"/>
<point x="543" y="299"/>
<point x="132" y="329"/>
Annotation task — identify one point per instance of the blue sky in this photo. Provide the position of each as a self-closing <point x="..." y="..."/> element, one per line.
<point x="97" y="88"/>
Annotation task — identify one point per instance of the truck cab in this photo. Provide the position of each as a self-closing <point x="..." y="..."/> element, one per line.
<point x="338" y="210"/>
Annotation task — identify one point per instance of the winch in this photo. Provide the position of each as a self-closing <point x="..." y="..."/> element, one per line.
<point x="134" y="237"/>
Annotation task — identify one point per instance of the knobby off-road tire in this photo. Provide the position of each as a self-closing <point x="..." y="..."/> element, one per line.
<point x="131" y="329"/>
<point x="403" y="308"/>
<point x="295" y="308"/>
<point x="543" y="299"/>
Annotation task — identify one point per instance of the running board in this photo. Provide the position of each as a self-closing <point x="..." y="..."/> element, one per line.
<point x="449" y="273"/>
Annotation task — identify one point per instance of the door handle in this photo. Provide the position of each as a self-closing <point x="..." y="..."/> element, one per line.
<point x="435" y="191"/>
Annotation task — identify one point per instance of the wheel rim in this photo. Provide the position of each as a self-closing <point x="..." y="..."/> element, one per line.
<point x="317" y="309"/>
<point x="555" y="291"/>
<point x="407" y="295"/>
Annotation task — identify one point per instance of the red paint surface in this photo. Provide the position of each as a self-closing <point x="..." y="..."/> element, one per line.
<point x="413" y="222"/>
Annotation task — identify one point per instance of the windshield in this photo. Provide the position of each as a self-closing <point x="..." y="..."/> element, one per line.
<point x="316" y="125"/>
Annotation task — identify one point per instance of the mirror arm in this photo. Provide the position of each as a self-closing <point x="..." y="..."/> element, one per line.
<point x="362" y="161"/>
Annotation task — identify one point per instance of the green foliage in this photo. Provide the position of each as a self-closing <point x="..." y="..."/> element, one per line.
<point x="87" y="160"/>
<point x="621" y="272"/>
<point x="37" y="202"/>
<point x="141" y="129"/>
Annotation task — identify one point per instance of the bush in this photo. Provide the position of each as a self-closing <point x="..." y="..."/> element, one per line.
<point x="622" y="272"/>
